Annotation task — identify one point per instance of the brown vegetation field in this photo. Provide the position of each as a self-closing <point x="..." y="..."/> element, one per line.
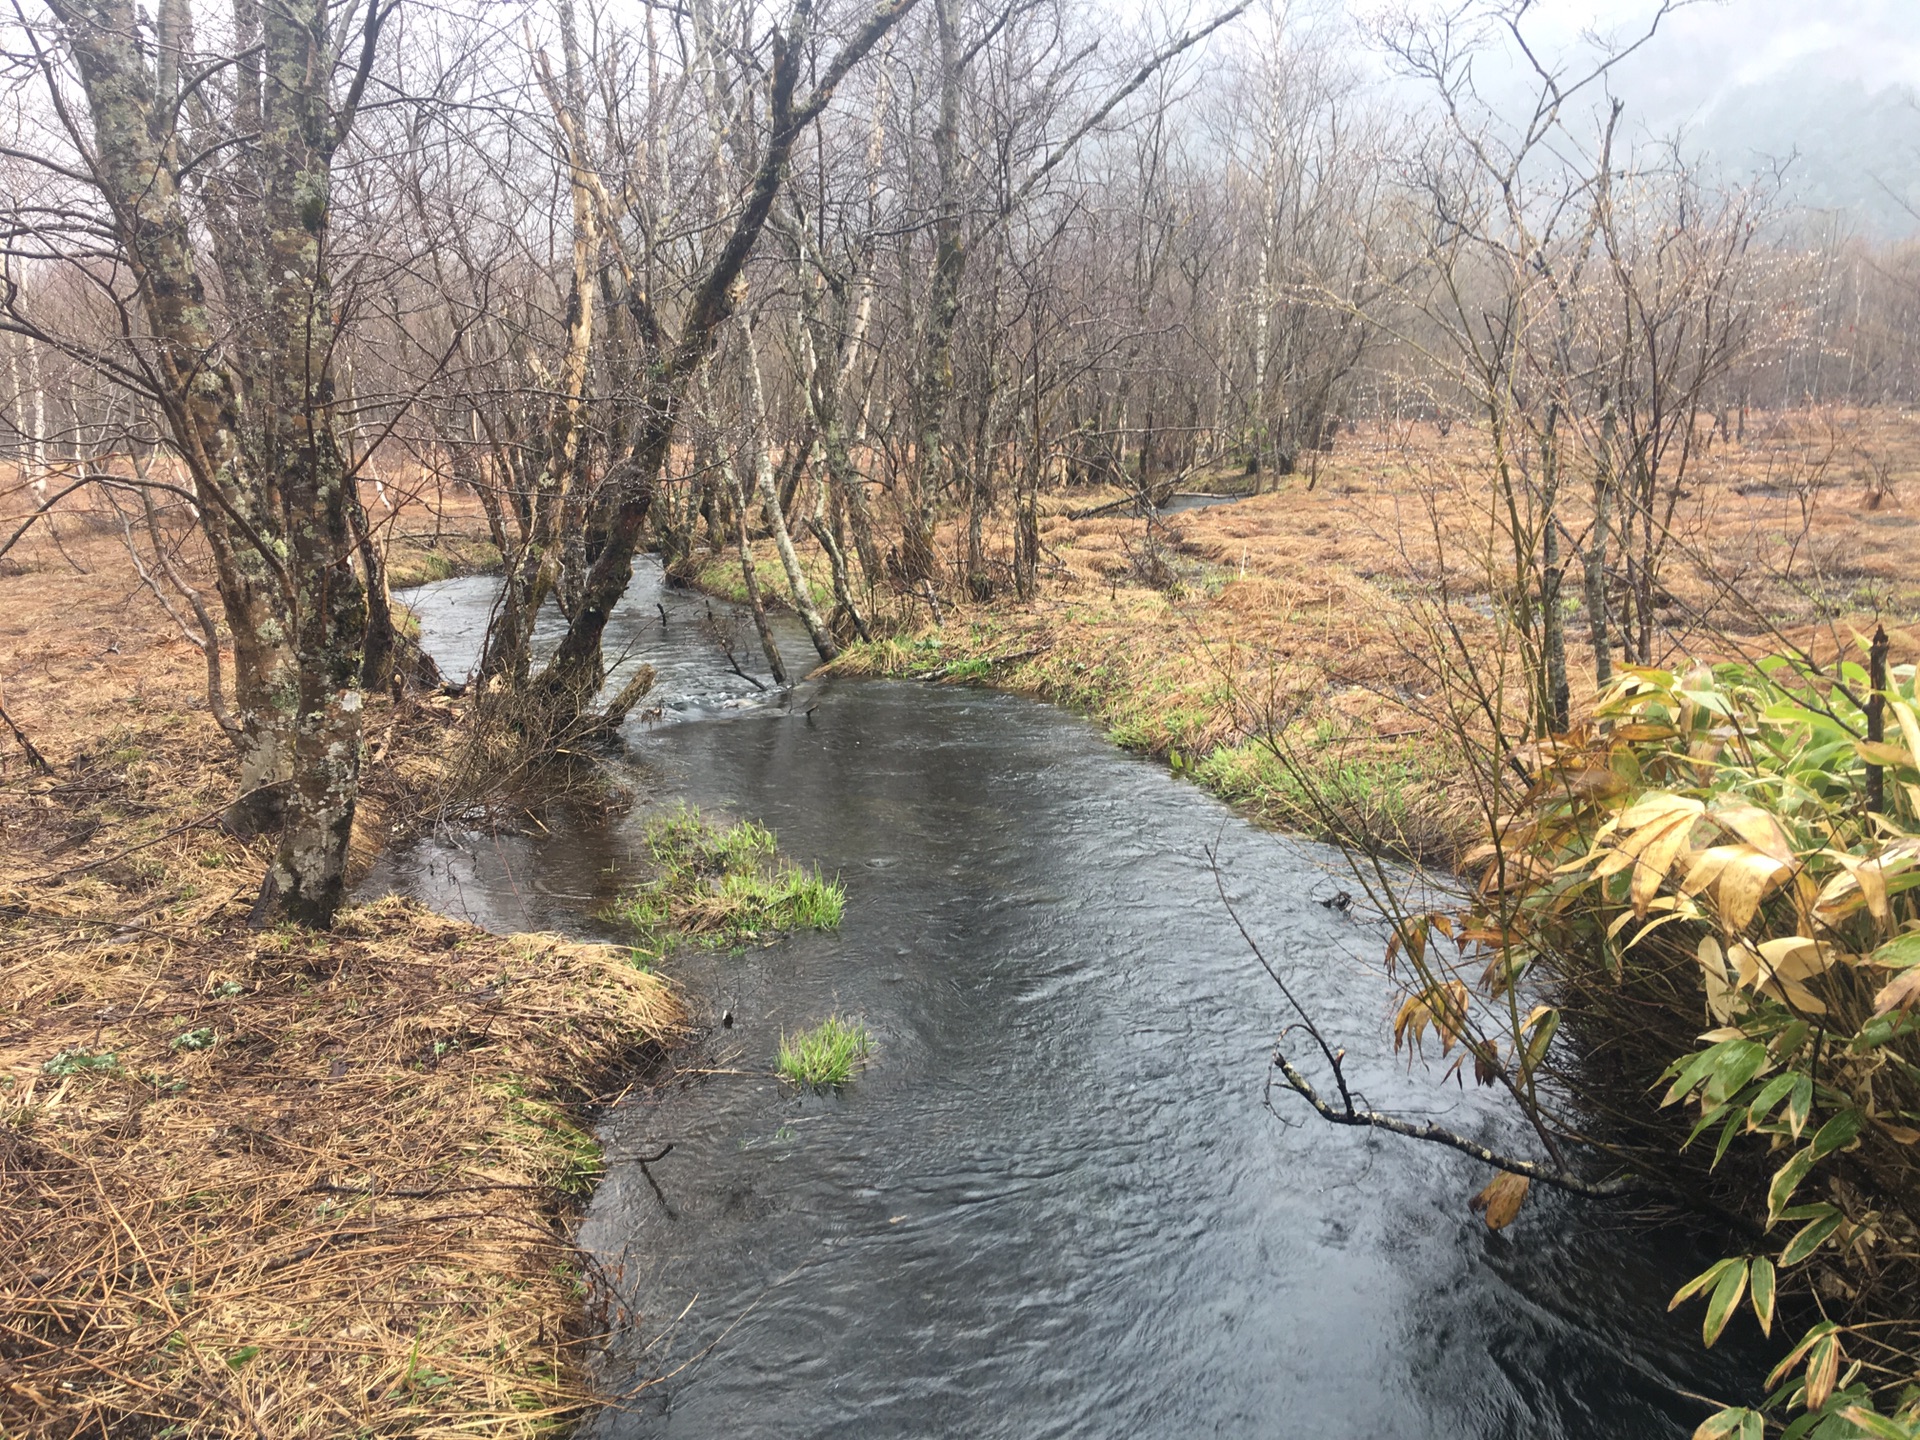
<point x="281" y="1182"/>
<point x="1324" y="609"/>
<point x="265" y="1182"/>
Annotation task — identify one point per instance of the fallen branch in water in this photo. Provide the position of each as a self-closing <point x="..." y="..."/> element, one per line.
<point x="1349" y="1113"/>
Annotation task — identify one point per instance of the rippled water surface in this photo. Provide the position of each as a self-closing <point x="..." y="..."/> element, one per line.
<point x="1054" y="1203"/>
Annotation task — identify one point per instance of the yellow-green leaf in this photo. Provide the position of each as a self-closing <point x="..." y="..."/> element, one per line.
<point x="1760" y="1281"/>
<point x="1701" y="1281"/>
<point x="1823" y="1368"/>
<point x="1810" y="1237"/>
<point x="1724" y="1301"/>
<point x="1793" y="1356"/>
<point x="1786" y="1180"/>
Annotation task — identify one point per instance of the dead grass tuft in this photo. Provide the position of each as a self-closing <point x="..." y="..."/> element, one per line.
<point x="300" y="1184"/>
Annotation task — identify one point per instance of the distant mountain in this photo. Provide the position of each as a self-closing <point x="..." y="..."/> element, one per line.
<point x="1853" y="151"/>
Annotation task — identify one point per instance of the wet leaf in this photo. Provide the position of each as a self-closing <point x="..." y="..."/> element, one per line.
<point x="1501" y="1200"/>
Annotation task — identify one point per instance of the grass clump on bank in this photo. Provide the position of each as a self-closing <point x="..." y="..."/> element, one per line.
<point x="724" y="884"/>
<point x="1173" y="678"/>
<point x="825" y="1055"/>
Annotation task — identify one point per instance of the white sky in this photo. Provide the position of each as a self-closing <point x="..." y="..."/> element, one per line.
<point x="1712" y="46"/>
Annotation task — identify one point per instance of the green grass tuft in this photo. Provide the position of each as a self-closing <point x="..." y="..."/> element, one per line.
<point x="724" y="885"/>
<point x="825" y="1055"/>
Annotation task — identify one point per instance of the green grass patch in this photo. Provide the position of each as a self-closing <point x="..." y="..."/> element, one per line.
<point x="825" y="1055"/>
<point x="79" y="1060"/>
<point x="723" y="885"/>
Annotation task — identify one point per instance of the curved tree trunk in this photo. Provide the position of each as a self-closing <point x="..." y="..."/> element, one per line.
<point x="754" y="398"/>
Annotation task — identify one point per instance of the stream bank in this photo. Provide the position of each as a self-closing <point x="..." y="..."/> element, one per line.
<point x="268" y="1183"/>
<point x="1186" y="643"/>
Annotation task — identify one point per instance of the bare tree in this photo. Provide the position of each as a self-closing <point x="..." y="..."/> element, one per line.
<point x="149" y="142"/>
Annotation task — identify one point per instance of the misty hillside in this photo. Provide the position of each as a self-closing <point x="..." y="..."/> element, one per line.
<point x="1850" y="150"/>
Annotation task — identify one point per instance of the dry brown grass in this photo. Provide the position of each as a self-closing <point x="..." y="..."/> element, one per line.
<point x="1307" y="613"/>
<point x="347" y="1213"/>
<point x="325" y="1184"/>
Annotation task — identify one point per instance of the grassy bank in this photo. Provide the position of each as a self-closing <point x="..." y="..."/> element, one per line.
<point x="267" y="1183"/>
<point x="422" y="559"/>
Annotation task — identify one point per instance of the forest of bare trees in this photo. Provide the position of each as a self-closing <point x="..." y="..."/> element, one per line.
<point x="666" y="277"/>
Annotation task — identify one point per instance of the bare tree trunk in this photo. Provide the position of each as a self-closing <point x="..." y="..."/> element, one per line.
<point x="918" y="562"/>
<point x="1596" y="557"/>
<point x="754" y="399"/>
<point x="307" y="881"/>
<point x="756" y="605"/>
<point x="536" y="570"/>
<point x="575" y="672"/>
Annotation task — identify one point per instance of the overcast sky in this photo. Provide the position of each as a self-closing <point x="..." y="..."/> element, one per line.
<point x="1708" y="48"/>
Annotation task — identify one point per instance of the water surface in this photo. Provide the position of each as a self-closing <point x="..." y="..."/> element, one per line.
<point x="1054" y="1204"/>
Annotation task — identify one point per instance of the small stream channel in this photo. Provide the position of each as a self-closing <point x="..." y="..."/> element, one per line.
<point x="1054" y="1204"/>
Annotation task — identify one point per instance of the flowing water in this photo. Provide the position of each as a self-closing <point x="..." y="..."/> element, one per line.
<point x="1054" y="1203"/>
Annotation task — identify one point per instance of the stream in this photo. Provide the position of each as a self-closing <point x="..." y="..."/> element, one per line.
<point x="1053" y="1204"/>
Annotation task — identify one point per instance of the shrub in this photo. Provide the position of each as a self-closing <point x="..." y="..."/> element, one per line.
<point x="1701" y="857"/>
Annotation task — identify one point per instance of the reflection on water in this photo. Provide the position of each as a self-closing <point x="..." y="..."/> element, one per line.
<point x="1054" y="1204"/>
